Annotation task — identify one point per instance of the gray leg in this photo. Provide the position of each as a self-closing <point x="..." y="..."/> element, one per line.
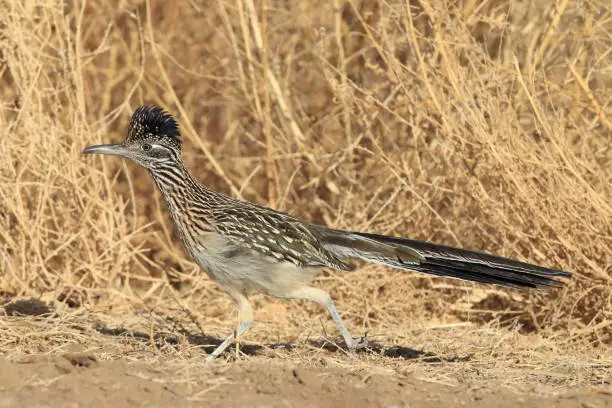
<point x="322" y="298"/>
<point x="245" y="315"/>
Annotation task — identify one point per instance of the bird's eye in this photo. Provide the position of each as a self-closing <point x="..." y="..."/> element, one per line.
<point x="146" y="147"/>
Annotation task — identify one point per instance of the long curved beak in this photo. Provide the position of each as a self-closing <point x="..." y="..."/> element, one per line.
<point x="111" y="149"/>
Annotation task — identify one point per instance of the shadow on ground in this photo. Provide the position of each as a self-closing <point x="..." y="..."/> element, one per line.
<point x="208" y="343"/>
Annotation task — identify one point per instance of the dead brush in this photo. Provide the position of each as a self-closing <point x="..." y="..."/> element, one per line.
<point x="482" y="125"/>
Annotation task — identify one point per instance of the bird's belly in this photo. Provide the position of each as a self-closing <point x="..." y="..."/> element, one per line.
<point x="247" y="270"/>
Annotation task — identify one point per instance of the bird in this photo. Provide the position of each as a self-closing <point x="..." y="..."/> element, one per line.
<point x="248" y="248"/>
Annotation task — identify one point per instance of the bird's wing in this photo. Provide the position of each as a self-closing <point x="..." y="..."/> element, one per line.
<point x="275" y="234"/>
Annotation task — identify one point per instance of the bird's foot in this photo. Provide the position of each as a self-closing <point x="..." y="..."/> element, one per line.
<point x="358" y="343"/>
<point x="231" y="339"/>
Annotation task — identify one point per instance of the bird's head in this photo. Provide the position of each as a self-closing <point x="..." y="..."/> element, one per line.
<point x="153" y="139"/>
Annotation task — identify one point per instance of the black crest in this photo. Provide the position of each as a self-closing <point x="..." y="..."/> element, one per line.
<point x="153" y="121"/>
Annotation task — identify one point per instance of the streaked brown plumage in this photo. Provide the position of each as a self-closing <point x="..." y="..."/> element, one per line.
<point x="250" y="248"/>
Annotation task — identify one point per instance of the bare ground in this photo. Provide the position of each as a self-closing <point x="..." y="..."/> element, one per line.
<point x="78" y="380"/>
<point x="96" y="359"/>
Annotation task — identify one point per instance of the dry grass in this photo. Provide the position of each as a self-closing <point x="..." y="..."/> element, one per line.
<point x="485" y="125"/>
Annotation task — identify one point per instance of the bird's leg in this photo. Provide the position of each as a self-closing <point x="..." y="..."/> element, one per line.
<point x="322" y="298"/>
<point x="245" y="315"/>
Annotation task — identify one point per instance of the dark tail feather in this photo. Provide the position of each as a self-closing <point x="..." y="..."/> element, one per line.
<point x="441" y="260"/>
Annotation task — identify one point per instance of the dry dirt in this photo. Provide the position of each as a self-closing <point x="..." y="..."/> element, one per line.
<point x="84" y="359"/>
<point x="79" y="380"/>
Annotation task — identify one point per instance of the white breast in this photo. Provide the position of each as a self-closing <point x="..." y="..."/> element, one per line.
<point x="249" y="271"/>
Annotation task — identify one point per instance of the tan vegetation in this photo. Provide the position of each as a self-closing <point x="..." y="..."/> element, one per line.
<point x="484" y="125"/>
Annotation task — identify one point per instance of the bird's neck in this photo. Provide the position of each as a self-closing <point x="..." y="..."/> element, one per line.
<point x="171" y="178"/>
<point x="176" y="185"/>
<point x="185" y="199"/>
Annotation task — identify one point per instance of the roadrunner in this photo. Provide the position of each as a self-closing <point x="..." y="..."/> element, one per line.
<point x="249" y="248"/>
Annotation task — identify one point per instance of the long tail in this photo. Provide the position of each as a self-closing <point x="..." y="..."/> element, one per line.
<point x="440" y="260"/>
